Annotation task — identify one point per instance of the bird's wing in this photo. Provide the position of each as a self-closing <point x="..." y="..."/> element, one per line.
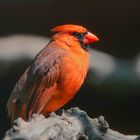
<point x="41" y="75"/>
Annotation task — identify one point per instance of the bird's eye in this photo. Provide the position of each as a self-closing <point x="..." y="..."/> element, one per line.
<point x="76" y="34"/>
<point x="79" y="35"/>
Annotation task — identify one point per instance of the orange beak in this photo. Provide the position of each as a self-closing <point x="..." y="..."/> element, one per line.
<point x="90" y="38"/>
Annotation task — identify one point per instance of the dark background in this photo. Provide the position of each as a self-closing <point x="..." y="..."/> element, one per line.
<point x="116" y="23"/>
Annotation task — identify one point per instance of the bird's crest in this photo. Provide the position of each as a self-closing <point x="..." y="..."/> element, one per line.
<point x="68" y="28"/>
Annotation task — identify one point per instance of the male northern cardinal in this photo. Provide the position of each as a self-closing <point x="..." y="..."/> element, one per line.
<point x="55" y="74"/>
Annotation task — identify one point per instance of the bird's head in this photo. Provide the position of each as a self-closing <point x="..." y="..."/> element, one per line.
<point x="78" y="32"/>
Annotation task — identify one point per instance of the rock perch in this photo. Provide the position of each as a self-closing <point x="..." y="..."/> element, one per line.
<point x="72" y="124"/>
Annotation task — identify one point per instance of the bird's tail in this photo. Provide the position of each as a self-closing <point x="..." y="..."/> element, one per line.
<point x="15" y="109"/>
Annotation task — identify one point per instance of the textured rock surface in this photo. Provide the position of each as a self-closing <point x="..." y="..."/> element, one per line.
<point x="72" y="124"/>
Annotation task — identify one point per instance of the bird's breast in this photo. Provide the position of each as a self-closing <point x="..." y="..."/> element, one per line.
<point x="73" y="72"/>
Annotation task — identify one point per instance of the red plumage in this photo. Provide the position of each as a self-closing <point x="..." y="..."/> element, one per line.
<point x="55" y="74"/>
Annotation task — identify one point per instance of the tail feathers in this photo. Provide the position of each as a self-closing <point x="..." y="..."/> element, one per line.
<point x="16" y="109"/>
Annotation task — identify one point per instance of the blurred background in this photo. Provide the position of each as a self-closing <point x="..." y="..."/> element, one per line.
<point x="112" y="86"/>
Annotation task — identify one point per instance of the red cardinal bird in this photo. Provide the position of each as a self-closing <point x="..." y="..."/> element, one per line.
<point x="55" y="74"/>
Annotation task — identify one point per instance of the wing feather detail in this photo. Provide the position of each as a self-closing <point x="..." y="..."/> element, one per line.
<point x="38" y="79"/>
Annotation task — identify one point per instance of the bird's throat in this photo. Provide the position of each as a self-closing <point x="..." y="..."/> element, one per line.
<point x="84" y="46"/>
